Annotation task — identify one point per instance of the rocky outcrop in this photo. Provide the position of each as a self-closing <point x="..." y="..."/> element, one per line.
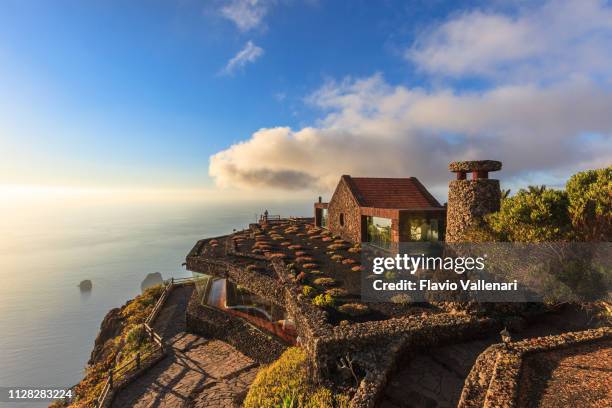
<point x="152" y="279"/>
<point x="111" y="327"/>
<point x="85" y="285"/>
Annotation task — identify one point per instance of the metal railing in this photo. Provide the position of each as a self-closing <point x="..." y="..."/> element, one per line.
<point x="121" y="375"/>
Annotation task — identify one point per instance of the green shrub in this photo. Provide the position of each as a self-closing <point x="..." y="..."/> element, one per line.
<point x="308" y="290"/>
<point x="135" y="336"/>
<point x="285" y="383"/>
<point x="533" y="215"/>
<point x="590" y="204"/>
<point x="324" y="300"/>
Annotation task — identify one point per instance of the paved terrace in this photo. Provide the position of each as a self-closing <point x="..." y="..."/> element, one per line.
<point x="197" y="372"/>
<point x="435" y="350"/>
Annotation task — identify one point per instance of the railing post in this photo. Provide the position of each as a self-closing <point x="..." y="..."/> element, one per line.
<point x="138" y="360"/>
<point x="172" y="281"/>
<point x="110" y="378"/>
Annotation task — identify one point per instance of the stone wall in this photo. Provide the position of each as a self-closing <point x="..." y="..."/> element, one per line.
<point x="261" y="285"/>
<point x="343" y="202"/>
<point x="468" y="202"/>
<point x="212" y="323"/>
<point x="494" y="379"/>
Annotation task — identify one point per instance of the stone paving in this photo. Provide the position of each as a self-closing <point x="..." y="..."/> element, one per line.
<point x="434" y="378"/>
<point x="197" y="372"/>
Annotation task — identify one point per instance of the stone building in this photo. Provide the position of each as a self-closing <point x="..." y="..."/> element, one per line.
<point x="470" y="200"/>
<point x="382" y="211"/>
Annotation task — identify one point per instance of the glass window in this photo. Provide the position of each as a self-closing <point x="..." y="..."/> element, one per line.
<point x="235" y="300"/>
<point x="324" y="217"/>
<point x="379" y="231"/>
<point x="422" y="229"/>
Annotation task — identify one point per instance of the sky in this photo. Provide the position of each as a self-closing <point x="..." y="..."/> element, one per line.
<point x="280" y="97"/>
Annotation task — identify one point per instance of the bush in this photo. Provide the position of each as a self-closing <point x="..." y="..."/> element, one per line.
<point x="533" y="215"/>
<point x="279" y="255"/>
<point x="308" y="290"/>
<point x="337" y="258"/>
<point x="325" y="282"/>
<point x="590" y="204"/>
<point x="135" y="336"/>
<point x="400" y="299"/>
<point x="354" y="309"/>
<point x="337" y="292"/>
<point x="309" y="265"/>
<point x="324" y="300"/>
<point x="285" y="383"/>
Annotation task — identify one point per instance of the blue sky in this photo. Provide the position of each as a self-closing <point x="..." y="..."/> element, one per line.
<point x="143" y="93"/>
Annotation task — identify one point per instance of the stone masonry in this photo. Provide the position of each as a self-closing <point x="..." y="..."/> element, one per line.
<point x="470" y="200"/>
<point x="344" y="213"/>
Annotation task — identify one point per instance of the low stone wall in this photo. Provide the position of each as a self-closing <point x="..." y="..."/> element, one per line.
<point x="494" y="379"/>
<point x="213" y="323"/>
<point x="326" y="343"/>
<point x="262" y="285"/>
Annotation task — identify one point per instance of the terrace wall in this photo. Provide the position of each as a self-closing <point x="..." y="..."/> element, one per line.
<point x="212" y="323"/>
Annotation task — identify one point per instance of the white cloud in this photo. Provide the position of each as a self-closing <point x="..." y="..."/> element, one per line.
<point x="375" y="129"/>
<point x="536" y="124"/>
<point x="556" y="40"/>
<point x="249" y="54"/>
<point x="246" y="14"/>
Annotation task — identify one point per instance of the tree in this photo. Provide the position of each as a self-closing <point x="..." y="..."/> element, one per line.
<point x="590" y="204"/>
<point x="537" y="214"/>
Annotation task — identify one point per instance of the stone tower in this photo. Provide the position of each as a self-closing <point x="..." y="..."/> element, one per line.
<point x="470" y="200"/>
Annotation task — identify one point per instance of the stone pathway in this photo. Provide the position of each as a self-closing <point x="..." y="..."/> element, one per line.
<point x="197" y="372"/>
<point x="435" y="378"/>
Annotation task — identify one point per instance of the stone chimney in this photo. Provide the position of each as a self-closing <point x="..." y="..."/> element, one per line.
<point x="470" y="200"/>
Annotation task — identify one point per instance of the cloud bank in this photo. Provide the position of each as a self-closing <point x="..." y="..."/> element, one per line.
<point x="249" y="54"/>
<point x="548" y="114"/>
<point x="555" y="41"/>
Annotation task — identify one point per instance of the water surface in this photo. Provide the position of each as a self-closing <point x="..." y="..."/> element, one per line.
<point x="47" y="324"/>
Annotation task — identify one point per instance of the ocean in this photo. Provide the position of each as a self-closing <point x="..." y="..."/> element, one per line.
<point x="47" y="325"/>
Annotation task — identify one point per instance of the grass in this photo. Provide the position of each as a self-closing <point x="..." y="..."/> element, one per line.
<point x="285" y="383"/>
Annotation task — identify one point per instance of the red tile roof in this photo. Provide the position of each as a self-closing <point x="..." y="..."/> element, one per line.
<point x="396" y="193"/>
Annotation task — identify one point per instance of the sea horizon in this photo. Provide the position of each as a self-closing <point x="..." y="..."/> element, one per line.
<point x="49" y="325"/>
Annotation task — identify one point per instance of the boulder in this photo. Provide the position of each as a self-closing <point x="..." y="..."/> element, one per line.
<point x="152" y="279"/>
<point x="85" y="285"/>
